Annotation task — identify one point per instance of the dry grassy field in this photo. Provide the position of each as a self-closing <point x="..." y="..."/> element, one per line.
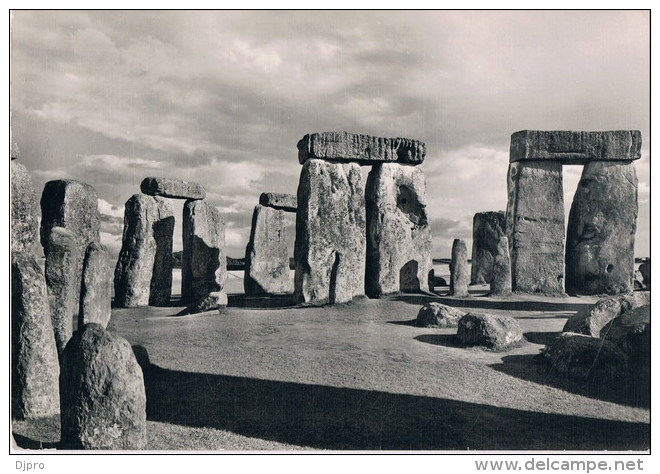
<point x="359" y="376"/>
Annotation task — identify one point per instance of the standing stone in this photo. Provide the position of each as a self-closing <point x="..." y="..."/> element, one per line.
<point x="535" y="226"/>
<point x="22" y="210"/>
<point x="460" y="275"/>
<point x="600" y="242"/>
<point x="398" y="231"/>
<point x="96" y="287"/>
<point x="487" y="228"/>
<point x="74" y="206"/>
<point x="62" y="255"/>
<point x="286" y="202"/>
<point x="35" y="366"/>
<point x="645" y="271"/>
<point x="266" y="255"/>
<point x="172" y="188"/>
<point x="103" y="394"/>
<point x="204" y="263"/>
<point x="330" y="233"/>
<point x="500" y="280"/>
<point x="364" y="149"/>
<point x="143" y="275"/>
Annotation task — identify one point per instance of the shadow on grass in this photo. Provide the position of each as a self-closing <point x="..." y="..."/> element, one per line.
<point x="261" y="302"/>
<point x="446" y="340"/>
<point x="536" y="369"/>
<point x="479" y="303"/>
<point x="326" y="417"/>
<point x="411" y="322"/>
<point x="543" y="338"/>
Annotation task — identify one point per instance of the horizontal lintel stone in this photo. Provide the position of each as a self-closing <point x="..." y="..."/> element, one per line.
<point x="285" y="202"/>
<point x="172" y="188"/>
<point x="362" y="149"/>
<point x="572" y="147"/>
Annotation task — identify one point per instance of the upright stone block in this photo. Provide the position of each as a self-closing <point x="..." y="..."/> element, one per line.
<point x="204" y="263"/>
<point x="22" y="210"/>
<point x="500" y="280"/>
<point x="330" y="233"/>
<point x="363" y="149"/>
<point x="143" y="275"/>
<point x="103" y="393"/>
<point x="61" y="276"/>
<point x="601" y="230"/>
<point x="487" y="228"/>
<point x="460" y="275"/>
<point x="74" y="206"/>
<point x="285" y="202"/>
<point x="570" y="147"/>
<point x="398" y="231"/>
<point x="535" y="226"/>
<point x="172" y="188"/>
<point x="266" y="255"/>
<point x="35" y="365"/>
<point x="96" y="287"/>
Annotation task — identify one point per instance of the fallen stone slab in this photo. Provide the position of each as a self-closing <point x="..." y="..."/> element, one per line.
<point x="285" y="202"/>
<point x="103" y="393"/>
<point x="96" y="287"/>
<point x="576" y="147"/>
<point x="36" y="367"/>
<point x="600" y="241"/>
<point x="172" y="188"/>
<point x="362" y="149"/>
<point x="330" y="233"/>
<point x="398" y="231"/>
<point x="593" y="319"/>
<point x="62" y="255"/>
<point x="498" y="333"/>
<point x="23" y="209"/>
<point x="437" y="315"/>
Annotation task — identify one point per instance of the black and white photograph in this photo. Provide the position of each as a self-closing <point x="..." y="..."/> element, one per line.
<point x="330" y="232"/>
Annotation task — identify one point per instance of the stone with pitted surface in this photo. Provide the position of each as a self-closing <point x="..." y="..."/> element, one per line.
<point x="172" y="188"/>
<point x="96" y="287"/>
<point x="23" y="209"/>
<point x="362" y="149"/>
<point x="487" y="227"/>
<point x="285" y="202"/>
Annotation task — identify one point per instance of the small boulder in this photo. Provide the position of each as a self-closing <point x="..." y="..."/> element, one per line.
<point x="494" y="332"/>
<point x="102" y="393"/>
<point x="436" y="315"/>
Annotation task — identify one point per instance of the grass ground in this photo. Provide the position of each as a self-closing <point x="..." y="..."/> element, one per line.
<point x="359" y="376"/>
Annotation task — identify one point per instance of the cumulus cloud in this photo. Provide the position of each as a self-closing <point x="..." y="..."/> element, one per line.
<point x="222" y="97"/>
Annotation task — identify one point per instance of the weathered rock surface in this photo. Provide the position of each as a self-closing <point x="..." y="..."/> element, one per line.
<point x="398" y="231"/>
<point x="460" y="273"/>
<point x="584" y="357"/>
<point x="494" y="332"/>
<point x="96" y="287"/>
<point x="571" y="147"/>
<point x="267" y="255"/>
<point x="363" y="149"/>
<point x="535" y="227"/>
<point x="592" y="320"/>
<point x="103" y="394"/>
<point x="285" y="202"/>
<point x="62" y="255"/>
<point x="487" y="227"/>
<point x="74" y="206"/>
<point x="645" y="271"/>
<point x="204" y="263"/>
<point x="437" y="315"/>
<point x="330" y="233"/>
<point x="35" y="366"/>
<point x="143" y="275"/>
<point x="600" y="242"/>
<point x="172" y="188"/>
<point x="500" y="280"/>
<point x="22" y="210"/>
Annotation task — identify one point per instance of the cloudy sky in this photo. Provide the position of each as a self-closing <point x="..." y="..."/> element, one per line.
<point x="222" y="98"/>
